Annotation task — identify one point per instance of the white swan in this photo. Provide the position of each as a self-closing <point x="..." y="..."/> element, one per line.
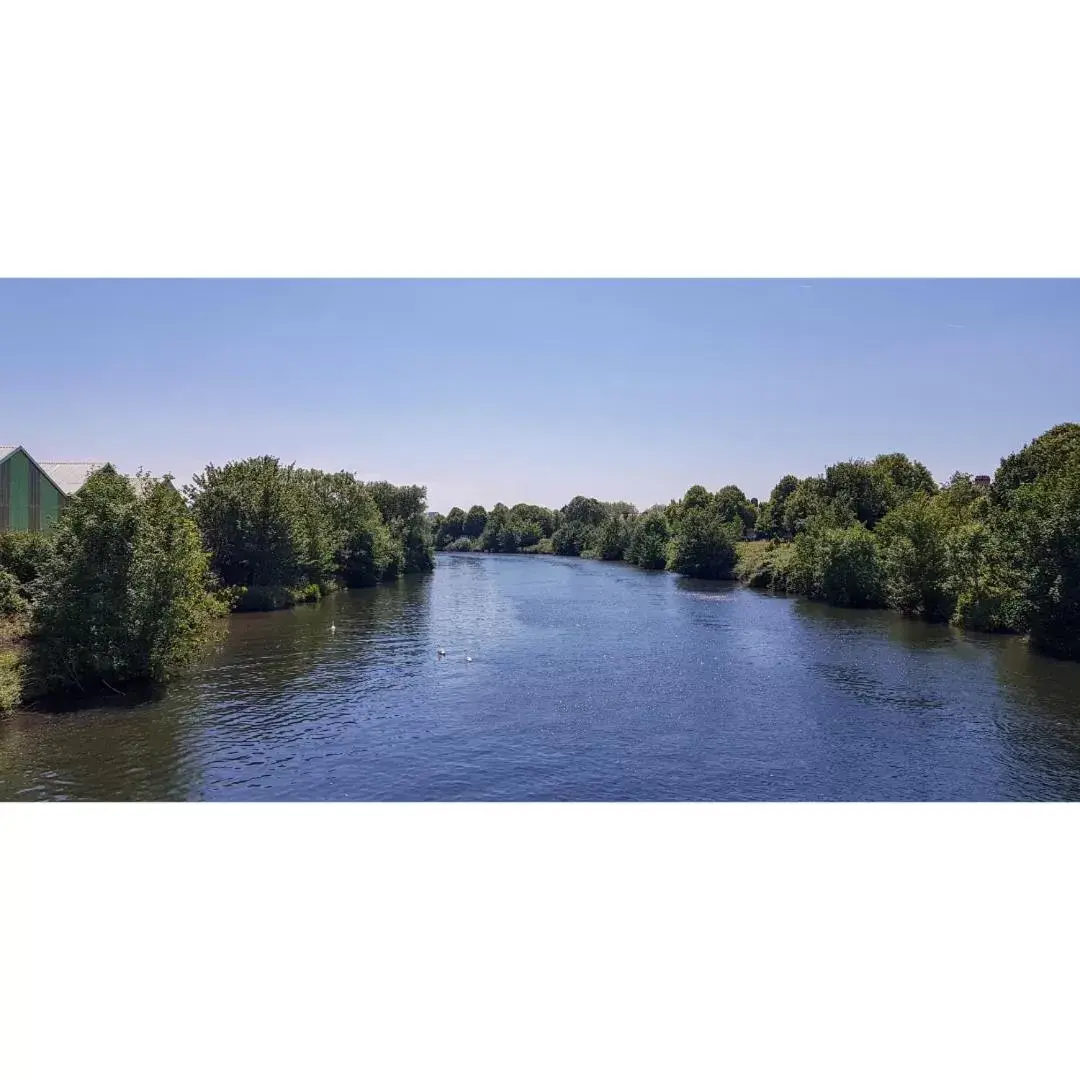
<point x="333" y="629"/>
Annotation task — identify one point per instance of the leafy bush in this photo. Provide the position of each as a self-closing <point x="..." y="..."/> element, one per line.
<point x="703" y="545"/>
<point x="765" y="565"/>
<point x="916" y="559"/>
<point x="24" y="554"/>
<point x="12" y="601"/>
<point x="838" y="565"/>
<point x="649" y="536"/>
<point x="124" y="596"/>
<point x="10" y="681"/>
<point x="570" y="538"/>
<point x="610" y="538"/>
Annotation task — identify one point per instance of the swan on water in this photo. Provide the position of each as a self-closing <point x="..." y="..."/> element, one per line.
<point x="333" y="628"/>
<point x="468" y="659"/>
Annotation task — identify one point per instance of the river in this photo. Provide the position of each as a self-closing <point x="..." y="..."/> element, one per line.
<point x="587" y="681"/>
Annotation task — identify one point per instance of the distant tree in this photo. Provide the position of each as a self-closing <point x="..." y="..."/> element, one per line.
<point x="475" y="521"/>
<point x="649" y="538"/>
<point x="859" y="489"/>
<point x="588" y="512"/>
<point x="804" y="504"/>
<point x="703" y="546"/>
<point x="611" y="538"/>
<point x="570" y="538"/>
<point x="732" y="505"/>
<point x="907" y="477"/>
<point x="1054" y="451"/>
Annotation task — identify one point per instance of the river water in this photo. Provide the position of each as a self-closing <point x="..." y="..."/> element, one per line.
<point x="587" y="681"/>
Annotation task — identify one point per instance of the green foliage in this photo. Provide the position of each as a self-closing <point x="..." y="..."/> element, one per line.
<point x="906" y="478"/>
<point x="801" y="506"/>
<point x="124" y="596"/>
<point x="858" y="490"/>
<point x="10" y="681"/>
<point x="584" y="511"/>
<point x="764" y="564"/>
<point x="475" y="521"/>
<point x="1045" y="527"/>
<point x="570" y="538"/>
<point x="732" y="505"/>
<point x="450" y="528"/>
<point x="839" y="565"/>
<point x="770" y="519"/>
<point x="649" y="536"/>
<point x="1055" y="451"/>
<point x="12" y="601"/>
<point x="277" y="529"/>
<point x="25" y="554"/>
<point x="462" y="543"/>
<point x="610" y="538"/>
<point x="251" y="517"/>
<point x="703" y="546"/>
<point x="916" y="559"/>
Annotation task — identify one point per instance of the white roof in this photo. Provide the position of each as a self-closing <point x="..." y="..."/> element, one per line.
<point x="69" y="476"/>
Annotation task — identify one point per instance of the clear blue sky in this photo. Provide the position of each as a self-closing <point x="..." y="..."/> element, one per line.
<point x="538" y="390"/>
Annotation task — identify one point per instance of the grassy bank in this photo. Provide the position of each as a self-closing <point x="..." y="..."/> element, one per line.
<point x="764" y="564"/>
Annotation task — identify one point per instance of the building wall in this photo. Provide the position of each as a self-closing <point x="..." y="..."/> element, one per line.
<point x="29" y="500"/>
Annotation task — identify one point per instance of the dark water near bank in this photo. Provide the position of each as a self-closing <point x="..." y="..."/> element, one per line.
<point x="587" y="681"/>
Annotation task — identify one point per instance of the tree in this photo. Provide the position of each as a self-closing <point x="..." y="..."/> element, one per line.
<point x="404" y="512"/>
<point x="1054" y="451"/>
<point x="703" y="546"/>
<point x="805" y="502"/>
<point x="475" y="521"/>
<point x="450" y="528"/>
<point x="124" y="596"/>
<point x="838" y="565"/>
<point x="732" y="505"/>
<point x="916" y="558"/>
<point x="252" y="521"/>
<point x="581" y="509"/>
<point x="648" y="542"/>
<point x="570" y="538"/>
<point x="906" y="477"/>
<point x="860" y="490"/>
<point x="610" y="539"/>
<point x="1044" y="522"/>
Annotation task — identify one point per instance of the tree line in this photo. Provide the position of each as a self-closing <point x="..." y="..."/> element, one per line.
<point x="129" y="585"/>
<point x="1002" y="557"/>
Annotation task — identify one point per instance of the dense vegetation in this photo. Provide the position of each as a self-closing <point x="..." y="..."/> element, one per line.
<point x="881" y="533"/>
<point x="127" y="587"/>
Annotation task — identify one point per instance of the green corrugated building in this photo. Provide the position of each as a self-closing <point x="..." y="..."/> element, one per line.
<point x="32" y="494"/>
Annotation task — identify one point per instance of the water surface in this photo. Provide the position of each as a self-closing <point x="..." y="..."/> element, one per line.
<point x="588" y="681"/>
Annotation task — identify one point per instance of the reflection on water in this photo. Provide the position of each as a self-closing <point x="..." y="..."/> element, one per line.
<point x="586" y="681"/>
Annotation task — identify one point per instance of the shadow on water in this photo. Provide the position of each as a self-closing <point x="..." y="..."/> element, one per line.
<point x="1041" y="724"/>
<point x="125" y="748"/>
<point x="273" y="673"/>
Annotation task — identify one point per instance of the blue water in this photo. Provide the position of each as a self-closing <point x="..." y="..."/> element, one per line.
<point x="588" y="681"/>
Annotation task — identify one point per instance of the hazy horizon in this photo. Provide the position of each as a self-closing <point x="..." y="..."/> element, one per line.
<point x="535" y="391"/>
